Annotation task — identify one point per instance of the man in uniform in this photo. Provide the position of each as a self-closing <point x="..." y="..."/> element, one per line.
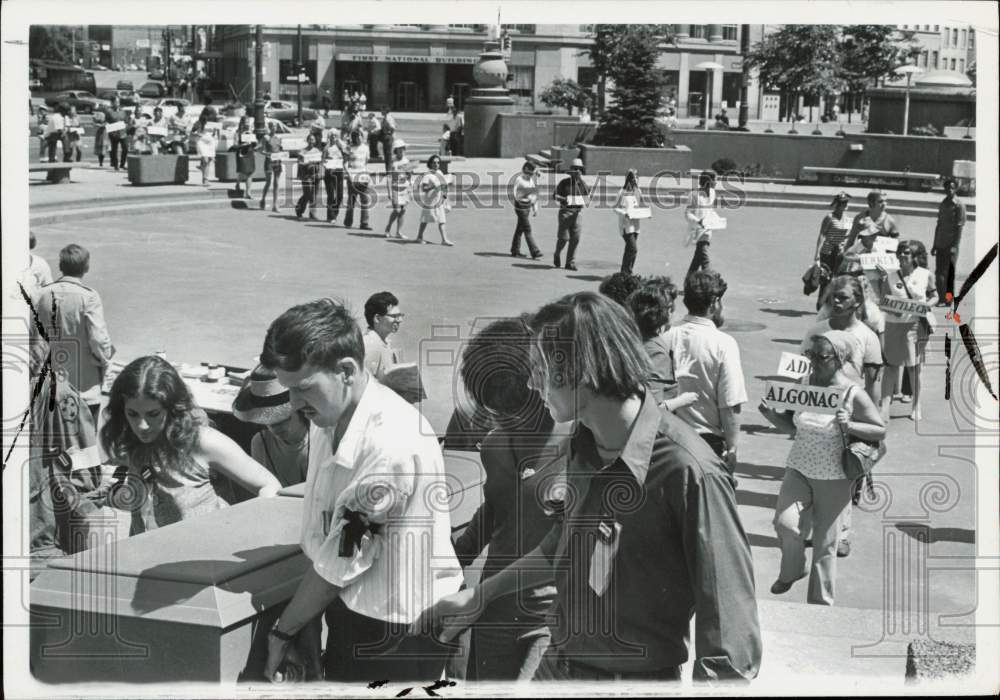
<point x="947" y="237"/>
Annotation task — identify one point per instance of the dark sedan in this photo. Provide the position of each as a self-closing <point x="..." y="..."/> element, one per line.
<point x="84" y="102"/>
<point x="287" y="113"/>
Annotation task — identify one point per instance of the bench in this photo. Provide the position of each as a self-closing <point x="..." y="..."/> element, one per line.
<point x="856" y="176"/>
<point x="57" y="172"/>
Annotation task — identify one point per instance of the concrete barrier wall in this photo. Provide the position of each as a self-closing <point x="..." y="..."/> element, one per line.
<point x="527" y="133"/>
<point x="647" y="161"/>
<point x="783" y="155"/>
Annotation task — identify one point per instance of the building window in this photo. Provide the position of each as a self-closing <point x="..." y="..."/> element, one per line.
<point x="954" y="37"/>
<point x="961" y="65"/>
<point x="697" y="31"/>
<point x="937" y="27"/>
<point x="934" y="60"/>
<point x="927" y="27"/>
<point x="953" y="64"/>
<point x="965" y="41"/>
<point x="972" y="38"/>
<point x="286" y="70"/>
<point x="521" y="28"/>
<point x="923" y="57"/>
<point x="730" y="32"/>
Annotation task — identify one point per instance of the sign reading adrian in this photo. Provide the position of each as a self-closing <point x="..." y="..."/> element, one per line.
<point x="793" y="366"/>
<point x="784" y="396"/>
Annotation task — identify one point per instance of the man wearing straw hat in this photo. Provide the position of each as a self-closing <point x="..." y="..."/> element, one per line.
<point x="283" y="446"/>
<point x="569" y="192"/>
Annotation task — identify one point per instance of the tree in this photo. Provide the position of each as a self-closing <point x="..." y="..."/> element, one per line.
<point x="565" y="94"/>
<point x="51" y="43"/>
<point x="872" y="51"/>
<point x="604" y="51"/>
<point x="627" y="54"/>
<point x="799" y="59"/>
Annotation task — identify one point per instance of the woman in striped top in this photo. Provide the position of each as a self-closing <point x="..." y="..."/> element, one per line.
<point x="832" y="236"/>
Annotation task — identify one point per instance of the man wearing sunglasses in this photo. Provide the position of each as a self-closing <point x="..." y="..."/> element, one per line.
<point x="383" y="317"/>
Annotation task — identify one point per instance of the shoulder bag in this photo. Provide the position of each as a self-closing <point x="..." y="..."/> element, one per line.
<point x="859" y="457"/>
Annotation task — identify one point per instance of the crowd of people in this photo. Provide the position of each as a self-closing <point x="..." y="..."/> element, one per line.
<point x="604" y="420"/>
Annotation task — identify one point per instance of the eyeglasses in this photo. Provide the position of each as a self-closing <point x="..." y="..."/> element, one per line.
<point x="395" y="317"/>
<point x="813" y="356"/>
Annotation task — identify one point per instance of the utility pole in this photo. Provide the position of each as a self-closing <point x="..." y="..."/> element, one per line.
<point x="299" y="67"/>
<point x="744" y="115"/>
<point x="259" y="127"/>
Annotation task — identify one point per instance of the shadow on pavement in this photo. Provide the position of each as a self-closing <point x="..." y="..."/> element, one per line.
<point x="586" y="278"/>
<point x="529" y="266"/>
<point x="760" y="500"/>
<point x="489" y="254"/>
<point x="787" y="341"/>
<point x="788" y="313"/>
<point x="765" y="472"/>
<point x="763" y="541"/>
<point x="757" y="428"/>
<point x="921" y="532"/>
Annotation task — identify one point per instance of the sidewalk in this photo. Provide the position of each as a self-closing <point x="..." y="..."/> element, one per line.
<point x="96" y="192"/>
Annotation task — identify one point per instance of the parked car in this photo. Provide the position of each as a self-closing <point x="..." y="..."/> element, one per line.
<point x="84" y="102"/>
<point x="228" y="123"/>
<point x="157" y="74"/>
<point x="169" y="105"/>
<point x="153" y="89"/>
<point x="125" y="85"/>
<point x="125" y="97"/>
<point x="290" y="114"/>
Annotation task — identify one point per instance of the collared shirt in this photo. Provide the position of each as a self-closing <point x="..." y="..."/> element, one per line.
<point x="680" y="550"/>
<point x="706" y="362"/>
<point x="36" y="275"/>
<point x="525" y="190"/>
<point x="379" y="355"/>
<point x="884" y="225"/>
<point x="950" y="221"/>
<point x="180" y="124"/>
<point x="388" y="467"/>
<point x="57" y="123"/>
<point x="287" y="461"/>
<point x="73" y="317"/>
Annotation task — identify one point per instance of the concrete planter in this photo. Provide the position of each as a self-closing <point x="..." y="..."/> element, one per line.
<point x="563" y="157"/>
<point x="225" y="166"/>
<point x="614" y="160"/>
<point x="157" y="170"/>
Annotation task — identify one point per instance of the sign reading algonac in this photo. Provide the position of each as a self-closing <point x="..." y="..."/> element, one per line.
<point x="785" y="396"/>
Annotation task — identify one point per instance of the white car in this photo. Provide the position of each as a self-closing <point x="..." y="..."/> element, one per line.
<point x="169" y="106"/>
<point x="272" y="105"/>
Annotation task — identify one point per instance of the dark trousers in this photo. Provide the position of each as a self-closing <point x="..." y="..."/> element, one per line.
<point x="51" y="141"/>
<point x="455" y="143"/>
<point x="71" y="150"/>
<point x="357" y="195"/>
<point x="832" y="261"/>
<point x="333" y="181"/>
<point x="718" y="445"/>
<point x="387" y="153"/>
<point x="523" y="228"/>
<point x="569" y="231"/>
<point x="700" y="259"/>
<point x="361" y="649"/>
<point x="631" y="250"/>
<point x="373" y="142"/>
<point x="308" y="198"/>
<point x="504" y="652"/>
<point x="557" y="667"/>
<point x="116" y="144"/>
<point x="944" y="271"/>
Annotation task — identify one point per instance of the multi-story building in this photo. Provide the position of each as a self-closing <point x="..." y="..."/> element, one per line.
<point x="119" y="46"/>
<point x="944" y="46"/>
<point x="417" y="67"/>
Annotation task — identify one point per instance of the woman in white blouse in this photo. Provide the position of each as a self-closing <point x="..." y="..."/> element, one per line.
<point x="905" y="334"/>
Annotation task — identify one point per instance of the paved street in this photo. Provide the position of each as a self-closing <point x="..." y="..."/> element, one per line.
<point x="204" y="285"/>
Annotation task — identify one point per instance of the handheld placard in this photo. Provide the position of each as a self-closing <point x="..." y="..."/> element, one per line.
<point x="793" y="366"/>
<point x="785" y="396"/>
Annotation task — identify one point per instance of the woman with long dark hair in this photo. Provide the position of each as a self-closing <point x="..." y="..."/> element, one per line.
<point x="153" y="427"/>
<point x="629" y="198"/>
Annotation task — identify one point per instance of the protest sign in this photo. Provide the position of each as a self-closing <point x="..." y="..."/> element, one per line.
<point x="785" y="396"/>
<point x="885" y="244"/>
<point x="904" y="307"/>
<point x="872" y="261"/>
<point x="793" y="366"/>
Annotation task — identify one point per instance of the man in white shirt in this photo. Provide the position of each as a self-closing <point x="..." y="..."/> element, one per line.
<point x="55" y="129"/>
<point x="383" y="317"/>
<point x="372" y="526"/>
<point x="707" y="363"/>
<point x="700" y="203"/>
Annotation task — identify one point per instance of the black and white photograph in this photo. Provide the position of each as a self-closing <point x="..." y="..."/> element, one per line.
<point x="476" y="357"/>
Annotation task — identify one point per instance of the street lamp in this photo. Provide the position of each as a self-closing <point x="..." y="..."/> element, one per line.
<point x="909" y="72"/>
<point x="708" y="67"/>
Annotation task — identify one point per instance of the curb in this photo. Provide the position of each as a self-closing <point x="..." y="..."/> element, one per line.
<point x="149" y="204"/>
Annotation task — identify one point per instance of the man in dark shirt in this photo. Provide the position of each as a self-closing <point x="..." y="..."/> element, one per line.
<point x="650" y="534"/>
<point x="118" y="140"/>
<point x="947" y="237"/>
<point x="570" y="226"/>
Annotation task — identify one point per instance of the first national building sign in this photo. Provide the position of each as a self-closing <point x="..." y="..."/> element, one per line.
<point x="401" y="58"/>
